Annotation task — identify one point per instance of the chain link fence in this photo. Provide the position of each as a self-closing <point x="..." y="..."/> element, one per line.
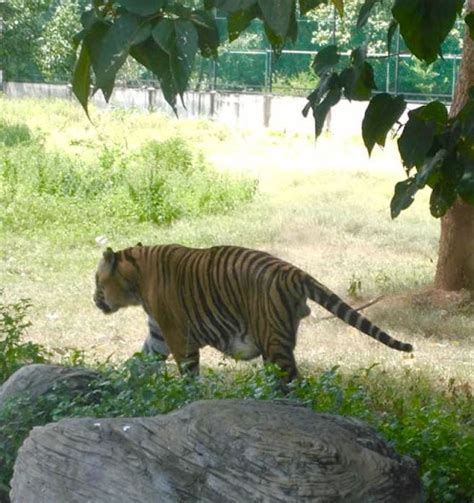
<point x="248" y="65"/>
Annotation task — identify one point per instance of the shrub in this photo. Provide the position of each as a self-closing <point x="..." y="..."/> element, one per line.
<point x="172" y="182"/>
<point x="160" y="183"/>
<point x="14" y="134"/>
<point x="14" y="353"/>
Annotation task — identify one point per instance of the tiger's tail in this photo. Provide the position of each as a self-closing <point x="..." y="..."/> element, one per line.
<point x="335" y="305"/>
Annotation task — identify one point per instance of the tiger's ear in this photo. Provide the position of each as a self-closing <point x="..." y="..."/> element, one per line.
<point x="139" y="244"/>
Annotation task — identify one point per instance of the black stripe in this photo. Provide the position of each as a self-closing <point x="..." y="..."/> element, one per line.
<point x="331" y="301"/>
<point x="353" y="318"/>
<point x="365" y="326"/>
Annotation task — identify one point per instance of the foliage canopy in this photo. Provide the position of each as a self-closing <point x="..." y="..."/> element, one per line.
<point x="165" y="36"/>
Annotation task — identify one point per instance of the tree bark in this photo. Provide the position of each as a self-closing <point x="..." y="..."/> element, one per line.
<point x="455" y="267"/>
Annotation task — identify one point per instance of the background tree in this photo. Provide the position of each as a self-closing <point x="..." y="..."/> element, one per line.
<point x="437" y="149"/>
<point x="455" y="268"/>
<point x="23" y="22"/>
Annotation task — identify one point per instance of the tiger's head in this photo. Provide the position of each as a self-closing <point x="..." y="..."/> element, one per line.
<point x="116" y="282"/>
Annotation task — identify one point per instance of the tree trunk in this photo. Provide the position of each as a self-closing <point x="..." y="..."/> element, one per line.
<point x="455" y="268"/>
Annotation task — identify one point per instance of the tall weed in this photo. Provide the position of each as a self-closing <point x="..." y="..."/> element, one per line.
<point x="159" y="183"/>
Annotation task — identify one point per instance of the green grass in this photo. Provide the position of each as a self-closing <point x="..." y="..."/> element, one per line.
<point x="159" y="183"/>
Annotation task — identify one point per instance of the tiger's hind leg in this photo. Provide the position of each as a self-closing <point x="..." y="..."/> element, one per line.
<point x="155" y="343"/>
<point x="279" y="350"/>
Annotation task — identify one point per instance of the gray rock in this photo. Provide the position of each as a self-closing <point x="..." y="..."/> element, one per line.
<point x="32" y="382"/>
<point x="213" y="451"/>
<point x="37" y="379"/>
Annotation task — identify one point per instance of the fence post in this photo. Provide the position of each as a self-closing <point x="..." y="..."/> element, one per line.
<point x="212" y="103"/>
<point x="268" y="70"/>
<point x="151" y="99"/>
<point x="455" y="74"/>
<point x="214" y="75"/>
<point x="397" y="61"/>
<point x="267" y="109"/>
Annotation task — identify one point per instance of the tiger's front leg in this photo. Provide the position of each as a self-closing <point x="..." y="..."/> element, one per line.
<point x="189" y="364"/>
<point x="185" y="351"/>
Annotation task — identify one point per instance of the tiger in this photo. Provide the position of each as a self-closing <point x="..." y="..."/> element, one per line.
<point x="243" y="302"/>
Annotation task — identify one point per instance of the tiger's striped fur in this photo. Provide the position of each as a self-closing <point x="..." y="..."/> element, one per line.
<point x="243" y="302"/>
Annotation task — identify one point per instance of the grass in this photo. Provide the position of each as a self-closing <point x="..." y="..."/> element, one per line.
<point x="69" y="187"/>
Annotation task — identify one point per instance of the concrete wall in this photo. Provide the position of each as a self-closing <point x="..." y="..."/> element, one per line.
<point x="233" y="109"/>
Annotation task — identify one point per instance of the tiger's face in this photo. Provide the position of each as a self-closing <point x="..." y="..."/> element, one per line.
<point x="115" y="286"/>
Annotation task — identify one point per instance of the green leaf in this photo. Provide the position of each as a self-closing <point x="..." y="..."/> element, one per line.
<point x="434" y="111"/>
<point x="403" y="197"/>
<point x="179" y="10"/>
<point x="208" y="33"/>
<point x="364" y="12"/>
<point x="326" y="83"/>
<point x="88" y="18"/>
<point x="325" y="59"/>
<point x="164" y="34"/>
<point x="321" y="111"/>
<point x="93" y="40"/>
<point x="277" y="14"/>
<point x="339" y="4"/>
<point x="186" y="47"/>
<point x="150" y="55"/>
<point x="415" y="141"/>
<point x="424" y="24"/>
<point x="469" y="19"/>
<point x="113" y="48"/>
<point x="293" y="28"/>
<point x="143" y="7"/>
<point x="442" y="198"/>
<point x="430" y="170"/>
<point x="358" y="82"/>
<point x="179" y="39"/>
<point x="81" y="79"/>
<point x="381" y="114"/>
<point x="464" y="122"/>
<point x="307" y="5"/>
<point x="325" y="96"/>
<point x="359" y="55"/>
<point x="466" y="185"/>
<point x="239" y="21"/>
<point x="390" y="33"/>
<point x="234" y="5"/>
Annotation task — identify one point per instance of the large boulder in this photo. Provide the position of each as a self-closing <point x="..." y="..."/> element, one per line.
<point x="38" y="379"/>
<point x="32" y="382"/>
<point x="213" y="451"/>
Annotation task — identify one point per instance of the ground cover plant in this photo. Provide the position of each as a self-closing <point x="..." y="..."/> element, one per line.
<point x="68" y="187"/>
<point x="432" y="423"/>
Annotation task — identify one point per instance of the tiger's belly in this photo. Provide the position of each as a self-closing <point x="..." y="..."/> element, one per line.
<point x="242" y="348"/>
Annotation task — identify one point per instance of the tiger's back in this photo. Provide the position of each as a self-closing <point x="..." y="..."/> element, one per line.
<point x="242" y="302"/>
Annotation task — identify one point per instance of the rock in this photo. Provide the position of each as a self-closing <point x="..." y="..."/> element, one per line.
<point x="37" y="379"/>
<point x="213" y="451"/>
<point x="32" y="382"/>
